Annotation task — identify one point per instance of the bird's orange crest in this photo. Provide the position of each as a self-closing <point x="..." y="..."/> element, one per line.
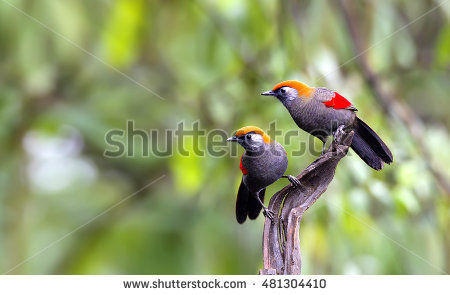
<point x="248" y="129"/>
<point x="302" y="88"/>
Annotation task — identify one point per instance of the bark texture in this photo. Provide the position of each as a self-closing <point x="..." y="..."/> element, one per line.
<point x="281" y="241"/>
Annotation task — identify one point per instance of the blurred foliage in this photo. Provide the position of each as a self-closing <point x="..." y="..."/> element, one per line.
<point x="72" y="70"/>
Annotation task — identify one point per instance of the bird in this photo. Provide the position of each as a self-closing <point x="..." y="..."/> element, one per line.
<point x="321" y="112"/>
<point x="263" y="162"/>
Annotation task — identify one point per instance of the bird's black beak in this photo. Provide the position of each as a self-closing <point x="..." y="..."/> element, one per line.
<point x="234" y="138"/>
<point x="268" y="93"/>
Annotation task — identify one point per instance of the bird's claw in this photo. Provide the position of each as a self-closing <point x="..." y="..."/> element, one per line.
<point x="269" y="214"/>
<point x="323" y="148"/>
<point x="339" y="131"/>
<point x="294" y="180"/>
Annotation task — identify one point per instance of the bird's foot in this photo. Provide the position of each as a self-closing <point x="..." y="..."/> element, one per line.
<point x="294" y="180"/>
<point x="268" y="213"/>
<point x="339" y="131"/>
<point x="323" y="146"/>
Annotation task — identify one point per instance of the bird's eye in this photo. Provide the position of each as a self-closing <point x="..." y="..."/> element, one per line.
<point x="283" y="91"/>
<point x="248" y="136"/>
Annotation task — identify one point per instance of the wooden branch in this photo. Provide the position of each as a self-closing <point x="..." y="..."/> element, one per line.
<point x="281" y="242"/>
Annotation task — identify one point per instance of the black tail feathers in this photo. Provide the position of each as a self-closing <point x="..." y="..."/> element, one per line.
<point x="247" y="204"/>
<point x="254" y="207"/>
<point x="369" y="146"/>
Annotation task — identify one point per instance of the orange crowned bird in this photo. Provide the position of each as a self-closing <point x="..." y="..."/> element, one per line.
<point x="263" y="162"/>
<point x="320" y="112"/>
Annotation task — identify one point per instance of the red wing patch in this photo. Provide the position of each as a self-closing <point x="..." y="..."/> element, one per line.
<point x="244" y="171"/>
<point x="339" y="102"/>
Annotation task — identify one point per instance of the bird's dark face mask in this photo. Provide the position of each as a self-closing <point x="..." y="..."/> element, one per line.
<point x="284" y="94"/>
<point x="250" y="141"/>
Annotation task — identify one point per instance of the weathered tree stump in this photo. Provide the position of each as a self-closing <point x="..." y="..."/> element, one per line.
<point x="281" y="241"/>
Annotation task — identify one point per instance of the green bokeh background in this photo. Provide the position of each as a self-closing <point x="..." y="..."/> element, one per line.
<point x="70" y="71"/>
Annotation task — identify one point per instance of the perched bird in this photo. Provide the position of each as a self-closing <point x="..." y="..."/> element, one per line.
<point x="320" y="112"/>
<point x="263" y="162"/>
